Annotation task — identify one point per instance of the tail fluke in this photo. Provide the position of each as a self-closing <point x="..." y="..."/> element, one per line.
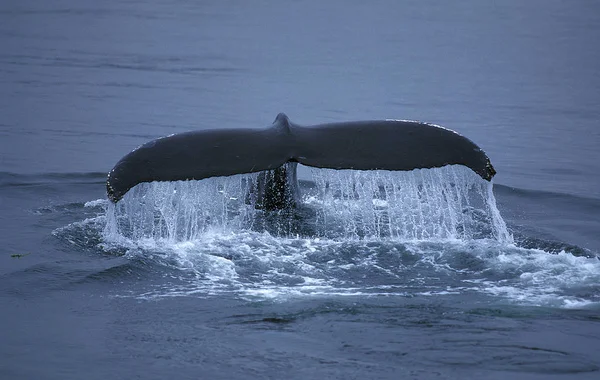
<point x="362" y="145"/>
<point x="388" y="145"/>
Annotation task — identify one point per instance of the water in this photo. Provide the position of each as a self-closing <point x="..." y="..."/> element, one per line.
<point x="426" y="274"/>
<point x="445" y="203"/>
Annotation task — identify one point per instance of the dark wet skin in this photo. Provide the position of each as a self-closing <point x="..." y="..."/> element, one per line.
<point x="359" y="145"/>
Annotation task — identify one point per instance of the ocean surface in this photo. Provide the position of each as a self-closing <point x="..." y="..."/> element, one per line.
<point x="428" y="274"/>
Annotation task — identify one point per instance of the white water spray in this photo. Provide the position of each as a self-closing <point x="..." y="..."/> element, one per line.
<point x="427" y="204"/>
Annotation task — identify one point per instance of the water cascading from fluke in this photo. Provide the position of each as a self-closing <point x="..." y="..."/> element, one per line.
<point x="426" y="204"/>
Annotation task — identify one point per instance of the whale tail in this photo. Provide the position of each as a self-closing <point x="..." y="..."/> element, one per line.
<point x="360" y="145"/>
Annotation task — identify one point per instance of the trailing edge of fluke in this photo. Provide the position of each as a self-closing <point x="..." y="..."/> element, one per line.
<point x="360" y="145"/>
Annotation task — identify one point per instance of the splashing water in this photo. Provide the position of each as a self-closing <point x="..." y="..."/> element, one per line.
<point x="355" y="233"/>
<point x="182" y="210"/>
<point x="447" y="203"/>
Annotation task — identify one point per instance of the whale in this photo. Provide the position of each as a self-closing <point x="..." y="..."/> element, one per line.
<point x="275" y="151"/>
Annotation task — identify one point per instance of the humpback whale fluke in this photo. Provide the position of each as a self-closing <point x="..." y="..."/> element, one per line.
<point x="361" y="145"/>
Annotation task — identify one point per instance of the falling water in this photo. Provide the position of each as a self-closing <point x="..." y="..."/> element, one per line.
<point x="428" y="204"/>
<point x="447" y="203"/>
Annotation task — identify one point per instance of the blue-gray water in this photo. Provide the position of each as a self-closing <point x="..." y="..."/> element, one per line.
<point x="84" y="82"/>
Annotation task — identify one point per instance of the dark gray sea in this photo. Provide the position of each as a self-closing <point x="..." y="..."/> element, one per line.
<point x="449" y="278"/>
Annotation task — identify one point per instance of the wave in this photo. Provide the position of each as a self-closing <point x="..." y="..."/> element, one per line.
<point x="9" y="179"/>
<point x="549" y="196"/>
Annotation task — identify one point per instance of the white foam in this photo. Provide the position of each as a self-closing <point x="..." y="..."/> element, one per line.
<point x="257" y="265"/>
<point x="96" y="203"/>
<point x="427" y="232"/>
<point x="538" y="278"/>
